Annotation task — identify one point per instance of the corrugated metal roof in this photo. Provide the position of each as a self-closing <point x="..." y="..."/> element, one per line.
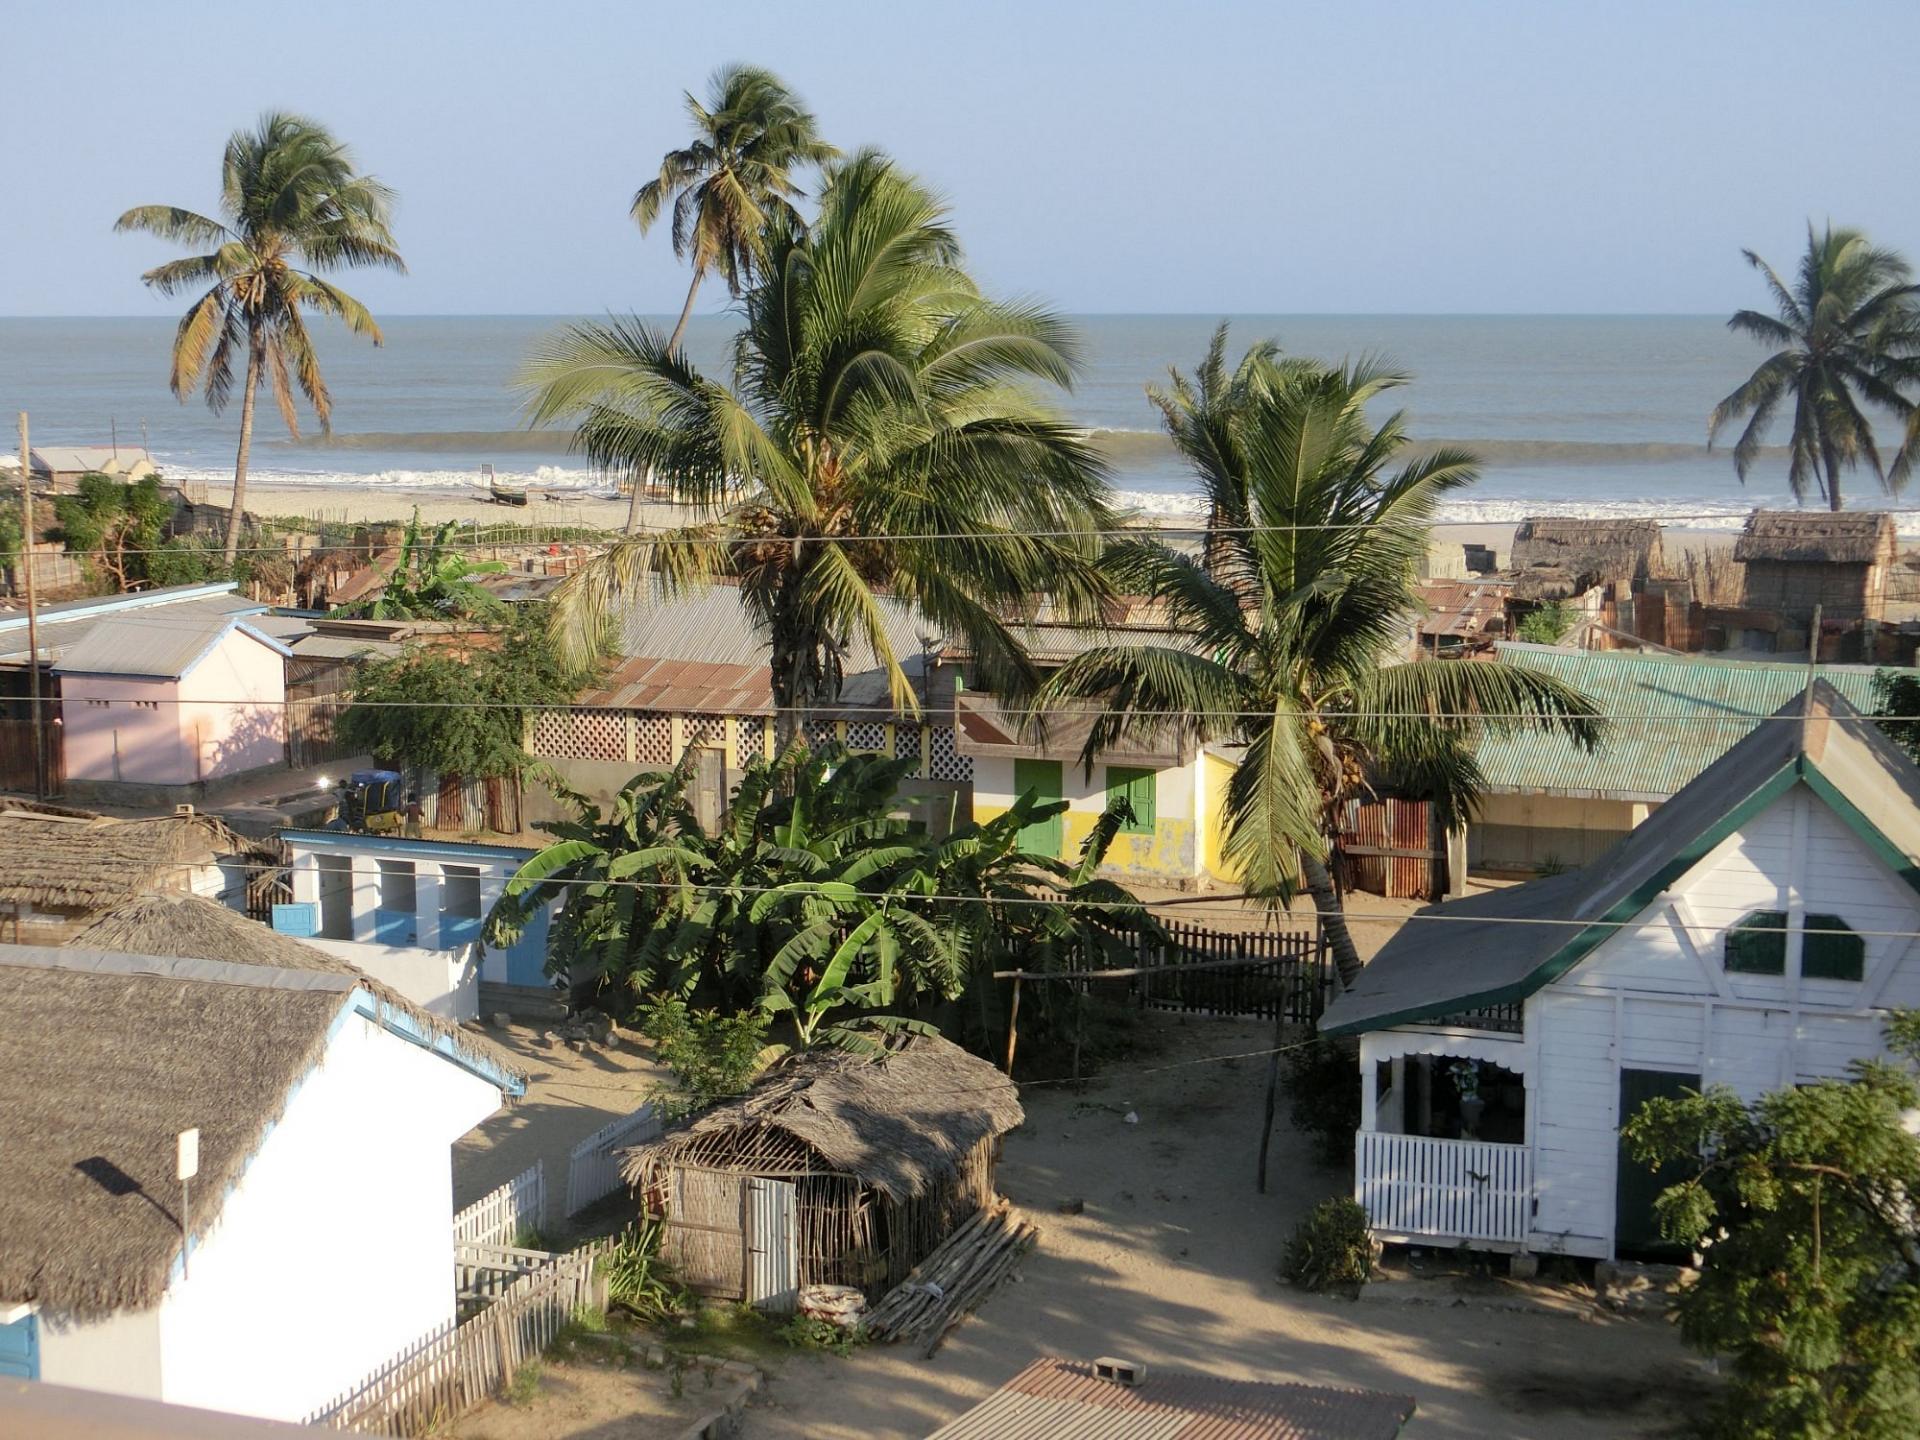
<point x="340" y="647"/>
<point x="158" y="646"/>
<point x="1671" y="717"/>
<point x="712" y="625"/>
<point x="1065" y="1400"/>
<point x="59" y="633"/>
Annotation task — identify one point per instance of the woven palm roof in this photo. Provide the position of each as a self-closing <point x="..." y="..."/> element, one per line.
<point x="92" y="862"/>
<point x="1857" y="537"/>
<point x="902" y="1122"/>
<point x="1555" y="557"/>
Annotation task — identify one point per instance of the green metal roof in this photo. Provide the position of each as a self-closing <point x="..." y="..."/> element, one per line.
<point x="1670" y="716"/>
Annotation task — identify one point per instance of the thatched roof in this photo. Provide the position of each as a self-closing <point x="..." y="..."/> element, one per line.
<point x="193" y="927"/>
<point x="1555" y="557"/>
<point x="901" y="1122"/>
<point x="90" y="862"/>
<point x="105" y="1065"/>
<point x="1814" y="537"/>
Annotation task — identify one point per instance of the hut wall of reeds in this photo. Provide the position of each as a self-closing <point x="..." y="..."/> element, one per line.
<point x="1796" y="560"/>
<point x="885" y="1156"/>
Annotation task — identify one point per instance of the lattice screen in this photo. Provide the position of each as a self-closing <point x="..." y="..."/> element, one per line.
<point x="652" y="738"/>
<point x="906" y="745"/>
<point x="947" y="763"/>
<point x="749" y="737"/>
<point x="867" y="737"/>
<point x="707" y="730"/>
<point x="820" y="734"/>
<point x="580" y="735"/>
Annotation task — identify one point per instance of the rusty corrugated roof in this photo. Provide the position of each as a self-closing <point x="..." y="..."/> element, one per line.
<point x="1064" y="1400"/>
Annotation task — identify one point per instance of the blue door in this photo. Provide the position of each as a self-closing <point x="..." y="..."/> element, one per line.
<point x="20" y="1349"/>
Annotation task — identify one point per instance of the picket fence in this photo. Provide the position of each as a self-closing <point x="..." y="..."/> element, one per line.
<point x="504" y="1215"/>
<point x="593" y="1169"/>
<point x="451" y="1371"/>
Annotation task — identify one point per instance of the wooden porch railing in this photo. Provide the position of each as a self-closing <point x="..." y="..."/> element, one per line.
<point x="1450" y="1190"/>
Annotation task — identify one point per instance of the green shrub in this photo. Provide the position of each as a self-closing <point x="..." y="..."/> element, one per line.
<point x="1323" y="1095"/>
<point x="637" y="1280"/>
<point x="1546" y="626"/>
<point x="803" y="1332"/>
<point x="1332" y="1249"/>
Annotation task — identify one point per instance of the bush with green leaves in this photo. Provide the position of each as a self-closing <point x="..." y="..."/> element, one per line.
<point x="1323" y="1095"/>
<point x="1547" y="625"/>
<point x="1332" y="1248"/>
<point x="1802" y="1207"/>
<point x="712" y="1054"/>
<point x="637" y="1279"/>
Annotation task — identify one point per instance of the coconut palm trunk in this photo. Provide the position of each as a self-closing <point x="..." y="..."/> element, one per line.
<point x="1332" y="918"/>
<point x="256" y="358"/>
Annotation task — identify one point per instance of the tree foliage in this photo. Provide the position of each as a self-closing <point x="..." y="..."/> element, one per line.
<point x="815" y="900"/>
<point x="1896" y="696"/>
<point x="1293" y="615"/>
<point x="1803" y="1204"/>
<point x="1547" y="625"/>
<point x="290" y="196"/>
<point x="878" y="444"/>
<point x="459" y="712"/>
<point x="712" y="1054"/>
<point x="1846" y="339"/>
<point x="433" y="579"/>
<point x="115" y="525"/>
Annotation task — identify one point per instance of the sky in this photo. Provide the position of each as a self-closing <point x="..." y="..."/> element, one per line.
<point x="1132" y="156"/>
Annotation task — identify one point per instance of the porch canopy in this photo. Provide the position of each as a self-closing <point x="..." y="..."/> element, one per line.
<point x="1500" y="947"/>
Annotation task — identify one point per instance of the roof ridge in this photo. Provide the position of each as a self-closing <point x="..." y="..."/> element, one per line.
<point x="177" y="968"/>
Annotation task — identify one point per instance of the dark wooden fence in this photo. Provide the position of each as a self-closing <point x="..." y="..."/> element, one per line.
<point x="1281" y="975"/>
<point x="16" y="757"/>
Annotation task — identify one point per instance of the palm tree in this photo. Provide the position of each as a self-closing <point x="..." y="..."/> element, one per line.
<point x="878" y="438"/>
<point x="1294" y="623"/>
<point x="1847" y="336"/>
<point x="290" y="196"/>
<point x="728" y="186"/>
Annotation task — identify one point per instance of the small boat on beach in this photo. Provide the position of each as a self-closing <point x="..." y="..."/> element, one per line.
<point x="502" y="494"/>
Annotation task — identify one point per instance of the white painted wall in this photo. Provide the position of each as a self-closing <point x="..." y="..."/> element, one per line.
<point x="446" y="982"/>
<point x="1657" y="996"/>
<point x="120" y="1354"/>
<point x="333" y="1252"/>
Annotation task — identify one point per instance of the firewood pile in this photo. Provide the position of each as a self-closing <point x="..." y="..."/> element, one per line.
<point x="953" y="1281"/>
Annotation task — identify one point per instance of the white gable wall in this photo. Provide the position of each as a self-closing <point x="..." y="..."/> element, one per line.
<point x="334" y="1251"/>
<point x="1656" y="996"/>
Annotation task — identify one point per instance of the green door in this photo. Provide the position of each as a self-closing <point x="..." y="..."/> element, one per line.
<point x="1636" y="1233"/>
<point x="1043" y="778"/>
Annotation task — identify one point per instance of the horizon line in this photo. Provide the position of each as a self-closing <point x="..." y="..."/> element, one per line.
<point x="170" y="318"/>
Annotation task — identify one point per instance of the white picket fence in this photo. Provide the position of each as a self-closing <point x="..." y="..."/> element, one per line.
<point x="1416" y="1186"/>
<point x="593" y="1169"/>
<point x="503" y="1216"/>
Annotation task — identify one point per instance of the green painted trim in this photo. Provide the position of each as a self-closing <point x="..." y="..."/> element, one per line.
<point x="1897" y="860"/>
<point x="1587" y="939"/>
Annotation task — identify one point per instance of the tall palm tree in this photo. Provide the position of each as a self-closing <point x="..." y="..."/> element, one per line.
<point x="1295" y="619"/>
<point x="290" y="196"/>
<point x="1847" y="337"/>
<point x="878" y="438"/>
<point x="728" y="186"/>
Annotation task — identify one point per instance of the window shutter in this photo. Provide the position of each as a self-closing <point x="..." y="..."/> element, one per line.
<point x="1136" y="787"/>
<point x="1832" y="957"/>
<point x="1758" y="944"/>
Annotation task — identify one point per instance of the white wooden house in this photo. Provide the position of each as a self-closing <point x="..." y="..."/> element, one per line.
<point x="318" y="1228"/>
<point x="1752" y="933"/>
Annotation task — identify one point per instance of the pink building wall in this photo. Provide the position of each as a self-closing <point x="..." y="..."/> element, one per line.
<point x="226" y="715"/>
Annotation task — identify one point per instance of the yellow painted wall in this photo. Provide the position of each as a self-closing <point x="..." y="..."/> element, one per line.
<point x="1166" y="854"/>
<point x="1215" y="773"/>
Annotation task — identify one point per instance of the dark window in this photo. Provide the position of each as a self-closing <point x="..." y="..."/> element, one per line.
<point x="1758" y="944"/>
<point x="1839" y="956"/>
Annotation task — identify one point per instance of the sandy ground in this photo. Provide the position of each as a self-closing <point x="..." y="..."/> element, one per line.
<point x="1173" y="1263"/>
<point x="593" y="1400"/>
<point x="569" y="1096"/>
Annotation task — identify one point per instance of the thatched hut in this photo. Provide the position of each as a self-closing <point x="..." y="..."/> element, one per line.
<point x="835" y="1169"/>
<point x="1798" y="559"/>
<point x="1555" y="558"/>
<point x="60" y="869"/>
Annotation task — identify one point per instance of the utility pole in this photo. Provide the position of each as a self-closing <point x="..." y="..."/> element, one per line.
<point x="33" y="617"/>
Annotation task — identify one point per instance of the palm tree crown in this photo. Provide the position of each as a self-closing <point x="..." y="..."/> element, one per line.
<point x="1295" y="615"/>
<point x="728" y="187"/>
<point x="291" y="198"/>
<point x="877" y="436"/>
<point x="1847" y="335"/>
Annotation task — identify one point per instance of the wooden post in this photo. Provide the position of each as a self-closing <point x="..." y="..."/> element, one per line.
<point x="1013" y="1023"/>
<point x="34" y="717"/>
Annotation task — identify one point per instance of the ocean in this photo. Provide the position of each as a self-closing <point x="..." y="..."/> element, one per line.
<point x="1595" y="415"/>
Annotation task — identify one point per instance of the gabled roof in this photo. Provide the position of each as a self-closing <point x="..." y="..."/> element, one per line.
<point x="110" y="1056"/>
<point x="1670" y="716"/>
<point x="1068" y="1400"/>
<point x="97" y="459"/>
<point x="65" y="625"/>
<point x="1817" y="537"/>
<point x="1487" y="950"/>
<point x="78" y="861"/>
<point x="156" y="645"/>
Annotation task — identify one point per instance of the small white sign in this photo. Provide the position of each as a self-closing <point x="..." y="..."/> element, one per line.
<point x="189" y="1165"/>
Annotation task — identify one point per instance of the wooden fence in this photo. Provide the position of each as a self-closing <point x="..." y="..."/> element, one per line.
<point x="504" y="1215"/>
<point x="1422" y="1187"/>
<point x="448" y="1373"/>
<point x="593" y="1167"/>
<point x="311" y="722"/>
<point x="486" y="1272"/>
<point x="1284" y="976"/>
<point x="16" y="756"/>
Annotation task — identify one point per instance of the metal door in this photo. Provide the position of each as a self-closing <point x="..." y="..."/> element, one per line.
<point x="709" y="786"/>
<point x="773" y="1245"/>
<point x="20" y="1349"/>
